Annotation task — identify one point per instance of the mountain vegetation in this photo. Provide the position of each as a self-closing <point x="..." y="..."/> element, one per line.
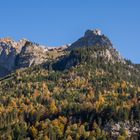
<point x="85" y="93"/>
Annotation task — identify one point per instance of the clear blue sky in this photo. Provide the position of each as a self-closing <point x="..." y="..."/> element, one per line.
<point x="57" y="22"/>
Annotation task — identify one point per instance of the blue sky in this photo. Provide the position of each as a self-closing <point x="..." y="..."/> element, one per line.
<point x="58" y="22"/>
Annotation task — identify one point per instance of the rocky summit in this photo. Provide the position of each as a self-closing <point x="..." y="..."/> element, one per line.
<point x="21" y="54"/>
<point x="24" y="53"/>
<point x="18" y="54"/>
<point x="95" y="38"/>
<point x="92" y="38"/>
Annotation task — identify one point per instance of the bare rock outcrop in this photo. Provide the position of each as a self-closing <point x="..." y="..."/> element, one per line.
<point x="95" y="38"/>
<point x="19" y="54"/>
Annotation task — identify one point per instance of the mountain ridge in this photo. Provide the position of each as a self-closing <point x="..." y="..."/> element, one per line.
<point x="24" y="53"/>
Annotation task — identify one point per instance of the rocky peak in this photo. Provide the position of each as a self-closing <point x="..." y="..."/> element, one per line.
<point x="95" y="32"/>
<point x="30" y="54"/>
<point x="91" y="38"/>
<point x="6" y="40"/>
<point x="95" y="38"/>
<point x="24" y="53"/>
<point x="18" y="54"/>
<point x="10" y="43"/>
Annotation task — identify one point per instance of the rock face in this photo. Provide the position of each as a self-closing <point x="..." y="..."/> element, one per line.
<point x="20" y="54"/>
<point x="24" y="53"/>
<point x="7" y="54"/>
<point x="30" y="54"/>
<point x="94" y="38"/>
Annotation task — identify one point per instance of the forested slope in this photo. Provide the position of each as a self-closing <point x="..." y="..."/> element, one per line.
<point x="79" y="96"/>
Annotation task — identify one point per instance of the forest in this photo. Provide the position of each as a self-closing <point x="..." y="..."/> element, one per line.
<point x="76" y="97"/>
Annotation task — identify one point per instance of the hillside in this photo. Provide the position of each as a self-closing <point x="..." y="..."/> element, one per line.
<point x="88" y="92"/>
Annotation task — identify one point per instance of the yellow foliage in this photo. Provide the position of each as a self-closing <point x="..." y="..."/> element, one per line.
<point x="36" y="94"/>
<point x="123" y="84"/>
<point x="121" y="138"/>
<point x="53" y="107"/>
<point x="46" y="138"/>
<point x="101" y="99"/>
<point x="33" y="131"/>
<point x="69" y="137"/>
<point x="62" y="119"/>
<point x="138" y="89"/>
<point x="115" y="85"/>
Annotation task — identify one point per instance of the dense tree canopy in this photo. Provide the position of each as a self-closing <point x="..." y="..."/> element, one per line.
<point x="73" y="98"/>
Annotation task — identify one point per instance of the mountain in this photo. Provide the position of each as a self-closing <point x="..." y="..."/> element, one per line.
<point x="24" y="53"/>
<point x="104" y="46"/>
<point x="7" y="53"/>
<point x="92" y="38"/>
<point x="84" y="91"/>
<point x="30" y="54"/>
